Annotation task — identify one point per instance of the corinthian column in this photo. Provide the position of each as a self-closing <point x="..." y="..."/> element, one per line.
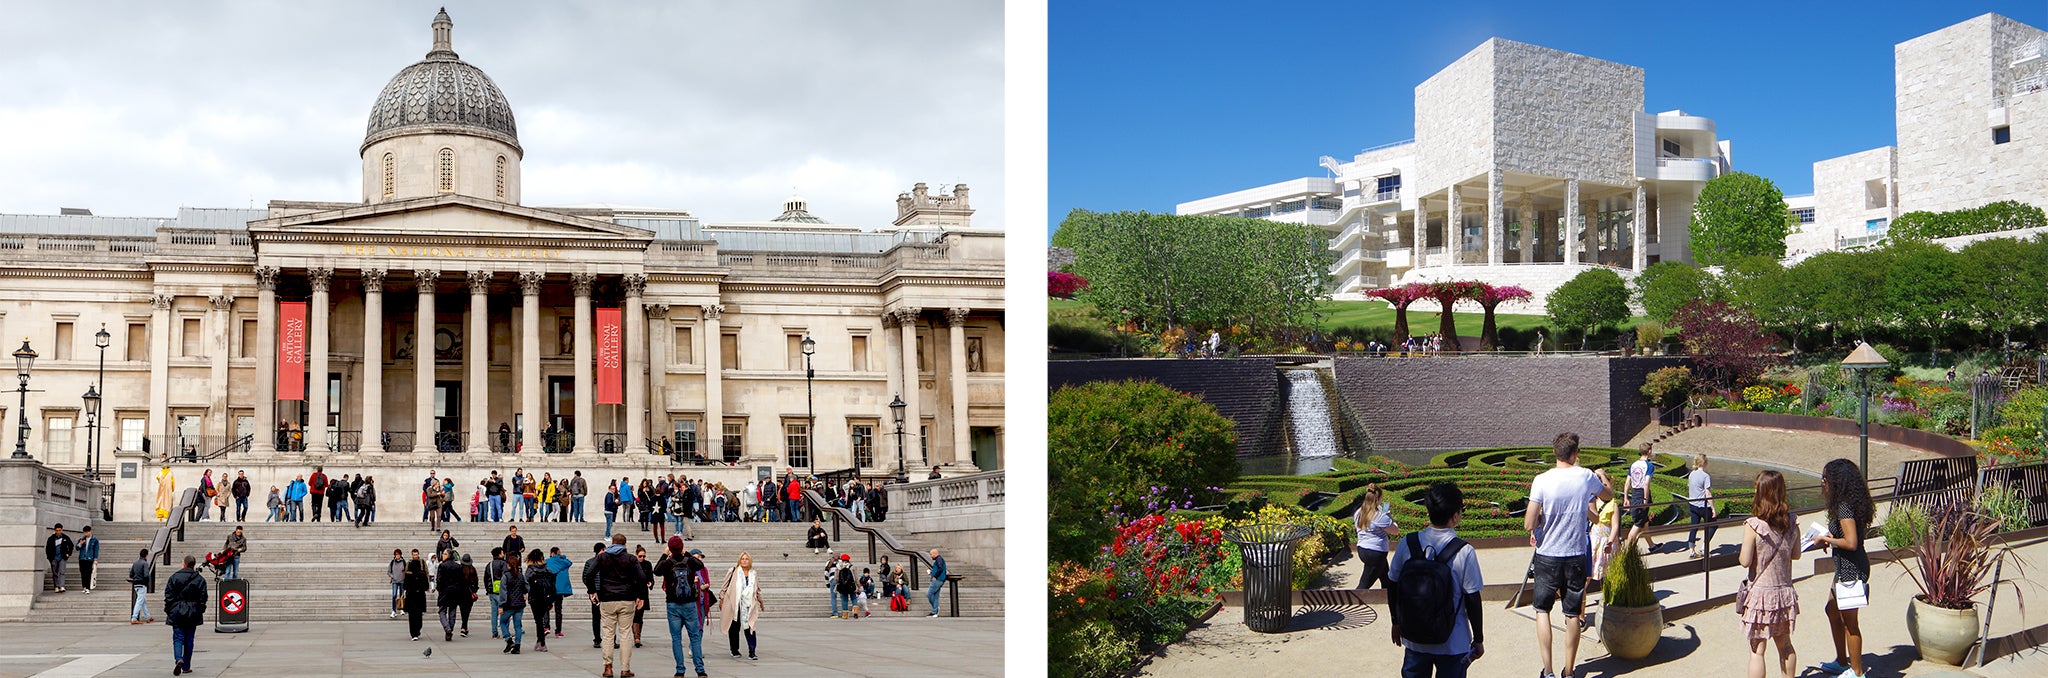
<point x="423" y="363"/>
<point x="316" y="365"/>
<point x="266" y="362"/>
<point x="534" y="417"/>
<point x="373" y="361"/>
<point x="714" y="390"/>
<point x="912" y="420"/>
<point x="160" y="371"/>
<point x="478" y="355"/>
<point x="636" y="365"/>
<point x="956" y="320"/>
<point x="586" y="409"/>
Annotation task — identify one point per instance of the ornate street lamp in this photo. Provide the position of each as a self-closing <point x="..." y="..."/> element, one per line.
<point x="1863" y="360"/>
<point x="92" y="423"/>
<point x="24" y="359"/>
<point x="810" y="412"/>
<point x="102" y="340"/>
<point x="896" y="409"/>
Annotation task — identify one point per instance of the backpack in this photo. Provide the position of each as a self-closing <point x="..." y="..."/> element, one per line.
<point x="898" y="603"/>
<point x="682" y="585"/>
<point x="1425" y="601"/>
<point x="846" y="585"/>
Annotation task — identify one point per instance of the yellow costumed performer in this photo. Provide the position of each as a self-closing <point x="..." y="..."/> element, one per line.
<point x="166" y="489"/>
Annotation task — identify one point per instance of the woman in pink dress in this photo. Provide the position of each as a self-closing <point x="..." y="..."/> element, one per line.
<point x="1769" y="605"/>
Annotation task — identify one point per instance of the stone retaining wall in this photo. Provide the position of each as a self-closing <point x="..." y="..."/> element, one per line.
<point x="1483" y="401"/>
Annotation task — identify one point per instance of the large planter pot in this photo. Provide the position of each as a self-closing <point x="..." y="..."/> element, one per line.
<point x="1943" y="635"/>
<point x="1631" y="632"/>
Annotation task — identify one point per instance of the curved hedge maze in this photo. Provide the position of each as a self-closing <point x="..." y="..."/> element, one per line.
<point x="1495" y="482"/>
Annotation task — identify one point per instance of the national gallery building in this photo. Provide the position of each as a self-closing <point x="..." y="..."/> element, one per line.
<point x="439" y="323"/>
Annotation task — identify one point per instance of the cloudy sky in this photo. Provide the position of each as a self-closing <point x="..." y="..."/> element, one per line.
<point x="138" y="108"/>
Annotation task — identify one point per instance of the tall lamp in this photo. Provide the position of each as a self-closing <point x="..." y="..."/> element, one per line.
<point x="24" y="359"/>
<point x="92" y="423"/>
<point x="1863" y="360"/>
<point x="810" y="413"/>
<point x="896" y="408"/>
<point x="102" y="340"/>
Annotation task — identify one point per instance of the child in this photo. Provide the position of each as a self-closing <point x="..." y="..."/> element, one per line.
<point x="1436" y="554"/>
<point x="867" y="583"/>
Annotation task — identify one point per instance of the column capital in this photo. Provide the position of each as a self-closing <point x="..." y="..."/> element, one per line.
<point x="908" y="315"/>
<point x="635" y="284"/>
<point x="657" y="311"/>
<point x="529" y="282"/>
<point x="266" y="278"/>
<point x="479" y="282"/>
<point x="161" y="302"/>
<point x="956" y="317"/>
<point x="373" y="280"/>
<point x="888" y="320"/>
<point x="320" y="278"/>
<point x="426" y="277"/>
<point x="713" y="311"/>
<point x="582" y="282"/>
<point x="222" y="302"/>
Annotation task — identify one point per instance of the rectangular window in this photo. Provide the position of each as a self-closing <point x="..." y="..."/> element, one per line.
<point x="1874" y="194"/>
<point x="923" y="360"/>
<point x="1386" y="185"/>
<point x="795" y="342"/>
<point x="864" y="445"/>
<point x="1877" y="225"/>
<point x="1805" y="215"/>
<point x="57" y="446"/>
<point x="735" y="438"/>
<point x="796" y="439"/>
<point x="1290" y="207"/>
<point x="138" y="343"/>
<point x="685" y="437"/>
<point x="63" y="348"/>
<point x="131" y="434"/>
<point x="191" y="338"/>
<point x="248" y="345"/>
<point x="1329" y="204"/>
<point x="334" y="401"/>
<point x="1671" y="149"/>
<point x="860" y="353"/>
<point x="2001" y="134"/>
<point x="924" y="442"/>
<point x="729" y="350"/>
<point x="682" y="348"/>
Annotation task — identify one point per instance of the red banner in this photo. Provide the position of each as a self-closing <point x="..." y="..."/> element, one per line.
<point x="291" y="350"/>
<point x="611" y="359"/>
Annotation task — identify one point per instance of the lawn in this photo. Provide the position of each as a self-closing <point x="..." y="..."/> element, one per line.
<point x="1340" y="315"/>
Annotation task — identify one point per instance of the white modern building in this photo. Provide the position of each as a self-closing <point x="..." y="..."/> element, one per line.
<point x="1529" y="165"/>
<point x="1972" y="129"/>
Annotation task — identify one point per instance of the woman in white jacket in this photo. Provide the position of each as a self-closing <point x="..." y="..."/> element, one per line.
<point x="739" y="604"/>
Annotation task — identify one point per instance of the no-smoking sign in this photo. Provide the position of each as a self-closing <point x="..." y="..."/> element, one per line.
<point x="232" y="602"/>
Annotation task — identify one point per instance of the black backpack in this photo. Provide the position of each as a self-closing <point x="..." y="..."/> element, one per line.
<point x="846" y="584"/>
<point x="1426" y="597"/>
<point x="682" y="584"/>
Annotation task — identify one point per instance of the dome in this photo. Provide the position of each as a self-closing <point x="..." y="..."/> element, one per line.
<point x="441" y="94"/>
<point x="797" y="210"/>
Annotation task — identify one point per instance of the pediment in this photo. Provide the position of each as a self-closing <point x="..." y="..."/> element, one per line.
<point x="443" y="216"/>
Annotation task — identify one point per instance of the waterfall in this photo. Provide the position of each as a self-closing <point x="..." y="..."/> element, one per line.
<point x="1308" y="408"/>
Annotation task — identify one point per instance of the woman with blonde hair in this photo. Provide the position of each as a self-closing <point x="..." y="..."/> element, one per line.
<point x="1767" y="604"/>
<point x="1699" y="492"/>
<point x="740" y="605"/>
<point x="1375" y="525"/>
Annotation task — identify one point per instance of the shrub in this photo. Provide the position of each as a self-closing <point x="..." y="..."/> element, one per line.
<point x="1667" y="387"/>
<point x="2023" y="411"/>
<point x="1064" y="285"/>
<point x="1109" y="442"/>
<point x="1904" y="526"/>
<point x="1628" y="581"/>
<point x="1649" y="335"/>
<point x="2008" y="506"/>
<point x="1092" y="650"/>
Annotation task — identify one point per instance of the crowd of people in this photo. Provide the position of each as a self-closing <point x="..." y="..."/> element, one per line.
<point x="1433" y="578"/>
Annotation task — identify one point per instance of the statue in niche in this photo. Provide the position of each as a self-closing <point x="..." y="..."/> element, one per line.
<point x="974" y="363"/>
<point x="404" y="348"/>
<point x="566" y="340"/>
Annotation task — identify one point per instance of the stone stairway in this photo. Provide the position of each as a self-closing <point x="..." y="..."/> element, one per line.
<point x="336" y="572"/>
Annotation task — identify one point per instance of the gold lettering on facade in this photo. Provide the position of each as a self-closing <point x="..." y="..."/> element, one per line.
<point x="438" y="252"/>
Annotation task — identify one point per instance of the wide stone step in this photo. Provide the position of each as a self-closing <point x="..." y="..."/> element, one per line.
<point x="113" y="605"/>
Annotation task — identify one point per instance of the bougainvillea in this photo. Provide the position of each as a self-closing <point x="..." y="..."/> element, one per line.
<point x="1401" y="298"/>
<point x="1064" y="285"/>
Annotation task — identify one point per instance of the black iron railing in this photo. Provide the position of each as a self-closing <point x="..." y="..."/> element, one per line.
<point x="450" y="441"/>
<point x="348" y="441"/>
<point x="609" y="443"/>
<point x="558" y="442"/>
<point x="398" y="441"/>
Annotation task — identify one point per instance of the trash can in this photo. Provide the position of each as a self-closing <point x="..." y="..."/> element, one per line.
<point x="1268" y="554"/>
<point x="233" y="614"/>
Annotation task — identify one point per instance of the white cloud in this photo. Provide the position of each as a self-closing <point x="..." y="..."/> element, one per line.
<point x="136" y="108"/>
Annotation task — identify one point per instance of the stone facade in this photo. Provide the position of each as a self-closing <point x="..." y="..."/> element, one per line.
<point x="1848" y="193"/>
<point x="1478" y="402"/>
<point x="1454" y="125"/>
<point x="1563" y="115"/>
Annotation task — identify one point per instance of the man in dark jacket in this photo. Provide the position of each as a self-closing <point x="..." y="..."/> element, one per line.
<point x="681" y="592"/>
<point x="142" y="577"/>
<point x="318" y="484"/>
<point x="240" y="490"/>
<point x="619" y="583"/>
<point x="184" y="610"/>
<point x="590" y="587"/>
<point x="366" y="501"/>
<point x="454" y="589"/>
<point x="337" y="498"/>
<point x="57" y="549"/>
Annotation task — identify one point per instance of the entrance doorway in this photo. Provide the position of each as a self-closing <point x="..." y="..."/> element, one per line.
<point x="448" y="416"/>
<point x="561" y="413"/>
<point x="987" y="446"/>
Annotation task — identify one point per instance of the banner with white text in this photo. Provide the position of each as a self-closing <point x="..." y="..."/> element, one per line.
<point x="611" y="360"/>
<point x="291" y="350"/>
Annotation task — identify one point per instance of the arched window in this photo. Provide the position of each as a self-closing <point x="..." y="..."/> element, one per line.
<point x="388" y="189"/>
<point x="501" y="177"/>
<point x="447" y="170"/>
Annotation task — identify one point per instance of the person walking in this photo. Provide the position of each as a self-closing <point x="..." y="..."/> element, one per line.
<point x="317" y="485"/>
<point x="366" y="502"/>
<point x="511" y="608"/>
<point x="454" y="591"/>
<point x="1767" y="605"/>
<point x="184" y="610"/>
<point x="611" y="507"/>
<point x="540" y="595"/>
<point x="494" y="588"/>
<point x="1639" y="474"/>
<point x="1375" y="525"/>
<point x="432" y="501"/>
<point x="740" y="605"/>
<point x="275" y="503"/>
<point x="236" y="545"/>
<point x="57" y="549"/>
<point x="141" y="578"/>
<point x="815" y="538"/>
<point x="559" y="565"/>
<point x="938" y="574"/>
<point x="590" y="589"/>
<point x="1440" y="636"/>
<point x="469" y="579"/>
<point x="515" y="546"/>
<point x="618" y="593"/>
<point x="578" y="488"/>
<point x="338" y="493"/>
<point x="680" y="591"/>
<point x="89" y="555"/>
<point x="396" y="572"/>
<point x="646" y="586"/>
<point x="1699" y="490"/>
<point x="206" y="493"/>
<point x="1560" y="530"/>
<point x="1849" y="511"/>
<point x="241" y="491"/>
<point x="1602" y="540"/>
<point x="415" y="593"/>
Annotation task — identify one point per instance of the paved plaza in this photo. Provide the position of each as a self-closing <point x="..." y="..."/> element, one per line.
<point x="808" y="647"/>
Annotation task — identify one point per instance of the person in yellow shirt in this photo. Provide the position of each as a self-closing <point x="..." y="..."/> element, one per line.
<point x="546" y="495"/>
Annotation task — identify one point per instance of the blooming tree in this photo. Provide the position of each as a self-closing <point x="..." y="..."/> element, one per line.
<point x="1447" y="294"/>
<point x="1490" y="296"/>
<point x="1401" y="297"/>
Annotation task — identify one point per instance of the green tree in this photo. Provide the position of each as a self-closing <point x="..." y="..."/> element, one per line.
<point x="1589" y="301"/>
<point x="1923" y="290"/>
<point x="1667" y="285"/>
<point x="1758" y="285"/>
<point x="1847" y="288"/>
<point x="1108" y="443"/>
<point x="1737" y="215"/>
<point x="1166" y="271"/>
<point x="2006" y="290"/>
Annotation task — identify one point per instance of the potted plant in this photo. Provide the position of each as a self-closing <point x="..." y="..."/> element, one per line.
<point x="1632" y="620"/>
<point x="1952" y="561"/>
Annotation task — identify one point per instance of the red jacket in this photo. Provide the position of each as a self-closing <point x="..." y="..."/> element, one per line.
<point x="319" y="482"/>
<point x="796" y="490"/>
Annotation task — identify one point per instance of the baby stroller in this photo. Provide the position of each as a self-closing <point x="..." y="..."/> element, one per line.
<point x="218" y="562"/>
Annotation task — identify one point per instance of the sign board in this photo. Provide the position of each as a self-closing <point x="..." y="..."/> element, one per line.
<point x="128" y="469"/>
<point x="611" y="364"/>
<point x="291" y="350"/>
<point x="232" y="613"/>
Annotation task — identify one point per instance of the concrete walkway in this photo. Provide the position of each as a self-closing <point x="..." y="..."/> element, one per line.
<point x="807" y="648"/>
<point x="1804" y="450"/>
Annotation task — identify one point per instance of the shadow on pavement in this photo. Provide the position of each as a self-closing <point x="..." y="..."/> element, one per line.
<point x="1332" y="618"/>
<point x="1669" y="649"/>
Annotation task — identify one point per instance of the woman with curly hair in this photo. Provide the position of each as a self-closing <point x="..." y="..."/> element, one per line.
<point x="1850" y="513"/>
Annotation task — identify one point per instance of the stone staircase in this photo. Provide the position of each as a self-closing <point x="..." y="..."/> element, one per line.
<point x="336" y="572"/>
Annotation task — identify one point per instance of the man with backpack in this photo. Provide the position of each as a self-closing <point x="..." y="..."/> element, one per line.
<point x="318" y="485"/>
<point x="846" y="588"/>
<point x="366" y="502"/>
<point x="337" y="498"/>
<point x="1435" y="597"/>
<point x="1561" y="531"/>
<point x="682" y="590"/>
<point x="494" y="586"/>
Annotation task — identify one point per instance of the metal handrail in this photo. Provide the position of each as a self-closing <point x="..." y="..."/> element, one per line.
<point x="875" y="535"/>
<point x="241" y="443"/>
<point x="188" y="503"/>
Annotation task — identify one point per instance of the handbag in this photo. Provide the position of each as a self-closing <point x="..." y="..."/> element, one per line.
<point x="1852" y="595"/>
<point x="1742" y="597"/>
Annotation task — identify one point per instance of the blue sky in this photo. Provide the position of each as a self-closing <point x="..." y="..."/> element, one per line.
<point x="1155" y="103"/>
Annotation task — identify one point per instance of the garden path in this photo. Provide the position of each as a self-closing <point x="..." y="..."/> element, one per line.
<point x="1796" y="449"/>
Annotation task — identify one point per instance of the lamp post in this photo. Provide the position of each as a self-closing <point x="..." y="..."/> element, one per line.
<point x="24" y="359"/>
<point x="1863" y="360"/>
<point x="810" y="412"/>
<point x="92" y="423"/>
<point x="102" y="340"/>
<point x="896" y="409"/>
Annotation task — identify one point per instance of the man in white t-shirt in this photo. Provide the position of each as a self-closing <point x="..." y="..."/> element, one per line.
<point x="1557" y="519"/>
<point x="1638" y="496"/>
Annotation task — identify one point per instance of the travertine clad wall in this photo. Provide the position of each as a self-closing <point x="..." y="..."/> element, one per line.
<point x="1947" y="83"/>
<point x="1841" y="193"/>
<point x="1440" y="403"/>
<point x="1563" y="115"/>
<point x="1453" y="122"/>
